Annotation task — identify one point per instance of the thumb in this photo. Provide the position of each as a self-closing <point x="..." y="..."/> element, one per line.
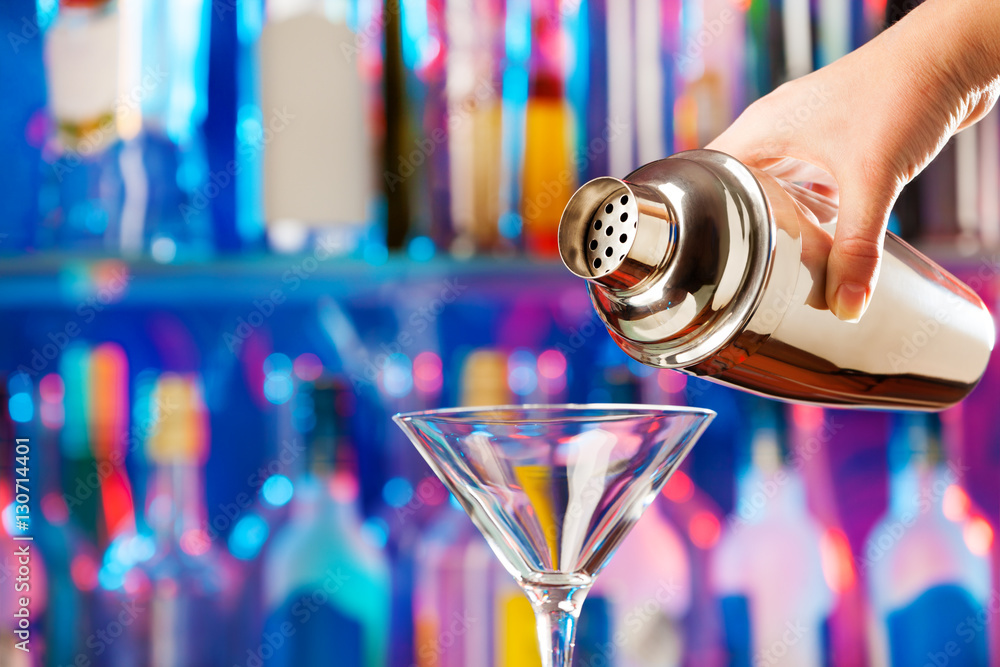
<point x="853" y="266"/>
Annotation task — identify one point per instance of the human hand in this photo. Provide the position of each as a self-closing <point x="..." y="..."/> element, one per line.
<point x="873" y="120"/>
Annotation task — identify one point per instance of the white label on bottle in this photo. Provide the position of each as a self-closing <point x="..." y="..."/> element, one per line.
<point x="81" y="60"/>
<point x="317" y="149"/>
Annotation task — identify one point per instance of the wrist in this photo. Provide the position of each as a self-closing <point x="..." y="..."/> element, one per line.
<point x="965" y="35"/>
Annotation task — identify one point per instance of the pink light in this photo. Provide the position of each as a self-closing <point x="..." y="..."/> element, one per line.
<point x="136" y="582"/>
<point x="54" y="508"/>
<point x="53" y="415"/>
<point x="111" y="280"/>
<point x="307" y="367"/>
<point x="956" y="503"/>
<point x="431" y="491"/>
<point x="83" y="571"/>
<point x="427" y="376"/>
<point x="195" y="542"/>
<point x="51" y="388"/>
<point x="552" y="364"/>
<point x="679" y="488"/>
<point x="671" y="382"/>
<point x="704" y="529"/>
<point x="978" y="536"/>
<point x="344" y="487"/>
<point x="807" y="417"/>
<point x="837" y="563"/>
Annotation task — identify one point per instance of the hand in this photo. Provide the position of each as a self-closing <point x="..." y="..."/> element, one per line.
<point x="873" y="120"/>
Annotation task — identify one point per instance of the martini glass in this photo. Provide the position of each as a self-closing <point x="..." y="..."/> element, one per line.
<point x="555" y="489"/>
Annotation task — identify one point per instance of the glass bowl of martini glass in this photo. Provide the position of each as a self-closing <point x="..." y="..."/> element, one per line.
<point x="555" y="489"/>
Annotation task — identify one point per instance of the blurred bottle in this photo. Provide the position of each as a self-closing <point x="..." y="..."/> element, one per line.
<point x="326" y="585"/>
<point x="646" y="612"/>
<point x="549" y="174"/>
<point x="83" y="192"/>
<point x="174" y="592"/>
<point x="290" y="414"/>
<point x="70" y="557"/>
<point x="768" y="569"/>
<point x="457" y="578"/>
<point x="314" y="126"/>
<point x="126" y="169"/>
<point x="477" y="170"/>
<point x="928" y="587"/>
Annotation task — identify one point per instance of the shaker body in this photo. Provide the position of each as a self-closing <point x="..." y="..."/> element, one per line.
<point x="735" y="300"/>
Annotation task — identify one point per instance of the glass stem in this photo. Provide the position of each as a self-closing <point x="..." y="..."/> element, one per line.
<point x="557" y="609"/>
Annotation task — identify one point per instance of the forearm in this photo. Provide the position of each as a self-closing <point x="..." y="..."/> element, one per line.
<point x="959" y="42"/>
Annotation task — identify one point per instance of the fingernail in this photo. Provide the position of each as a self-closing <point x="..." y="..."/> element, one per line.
<point x="851" y="301"/>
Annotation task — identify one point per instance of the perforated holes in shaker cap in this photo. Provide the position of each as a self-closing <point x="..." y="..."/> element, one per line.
<point x="611" y="232"/>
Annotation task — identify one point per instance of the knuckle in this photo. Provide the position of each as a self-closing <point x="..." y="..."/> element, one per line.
<point x="859" y="249"/>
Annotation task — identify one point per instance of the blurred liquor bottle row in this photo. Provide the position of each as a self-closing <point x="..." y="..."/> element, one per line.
<point x="182" y="130"/>
<point x="133" y="568"/>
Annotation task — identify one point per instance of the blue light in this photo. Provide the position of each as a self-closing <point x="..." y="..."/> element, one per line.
<point x="376" y="254"/>
<point x="141" y="548"/>
<point x="278" y="388"/>
<point x="18" y="382"/>
<point x="46" y="11"/>
<point x="248" y="536"/>
<point x="421" y="249"/>
<point x="21" y="407"/>
<point x="453" y="501"/>
<point x="278" y="363"/>
<point x="510" y="225"/>
<point x="110" y="578"/>
<point x="377" y="531"/>
<point x="522" y="376"/>
<point x="397" y="377"/>
<point x="8" y="518"/>
<point x="397" y="492"/>
<point x="277" y="490"/>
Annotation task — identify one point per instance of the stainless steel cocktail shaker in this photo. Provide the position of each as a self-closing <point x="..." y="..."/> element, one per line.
<point x="695" y="263"/>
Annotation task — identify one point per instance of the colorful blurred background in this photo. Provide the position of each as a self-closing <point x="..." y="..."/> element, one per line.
<point x="238" y="235"/>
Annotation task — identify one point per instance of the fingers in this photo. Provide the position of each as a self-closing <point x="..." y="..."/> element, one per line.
<point x="857" y="248"/>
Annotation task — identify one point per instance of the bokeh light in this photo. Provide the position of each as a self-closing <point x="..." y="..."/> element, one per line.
<point x="248" y="536"/>
<point x="704" y="529"/>
<point x="679" y="487"/>
<point x="397" y="492"/>
<point x="308" y="367"/>
<point x="277" y="490"/>
<point x="978" y="534"/>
